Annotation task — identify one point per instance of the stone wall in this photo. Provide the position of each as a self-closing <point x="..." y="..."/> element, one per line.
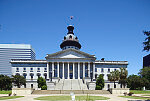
<point x="119" y="90"/>
<point x="22" y="91"/>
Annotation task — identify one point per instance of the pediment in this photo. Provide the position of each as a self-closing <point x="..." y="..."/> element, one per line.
<point x="69" y="53"/>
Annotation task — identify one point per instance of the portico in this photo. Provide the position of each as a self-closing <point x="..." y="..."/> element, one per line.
<point x="71" y="70"/>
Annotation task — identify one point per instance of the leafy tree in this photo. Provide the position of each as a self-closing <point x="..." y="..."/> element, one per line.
<point x="114" y="76"/>
<point x="5" y="82"/>
<point x="135" y="82"/>
<point x="18" y="80"/>
<point x="147" y="41"/>
<point x="123" y="77"/>
<point x="100" y="82"/>
<point x="41" y="83"/>
<point x="145" y="73"/>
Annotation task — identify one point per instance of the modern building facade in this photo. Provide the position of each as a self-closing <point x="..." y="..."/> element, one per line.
<point x="146" y="61"/>
<point x="68" y="64"/>
<point x="14" y="51"/>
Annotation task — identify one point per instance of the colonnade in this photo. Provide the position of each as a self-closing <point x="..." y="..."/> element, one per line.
<point x="87" y="68"/>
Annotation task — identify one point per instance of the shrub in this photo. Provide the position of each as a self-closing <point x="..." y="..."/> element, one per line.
<point x="44" y="87"/>
<point x="130" y="94"/>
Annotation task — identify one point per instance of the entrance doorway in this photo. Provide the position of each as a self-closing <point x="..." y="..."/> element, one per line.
<point x="71" y="71"/>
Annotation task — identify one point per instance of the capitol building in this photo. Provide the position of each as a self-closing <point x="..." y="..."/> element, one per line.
<point x="69" y="68"/>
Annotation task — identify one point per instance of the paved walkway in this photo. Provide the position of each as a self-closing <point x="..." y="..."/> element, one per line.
<point x="31" y="97"/>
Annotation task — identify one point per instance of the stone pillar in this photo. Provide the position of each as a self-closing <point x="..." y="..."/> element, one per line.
<point x="88" y="69"/>
<point x="52" y="69"/>
<point x="68" y="71"/>
<point x="48" y="70"/>
<point x="63" y="70"/>
<point x="78" y="70"/>
<point x="73" y="71"/>
<point x="93" y="70"/>
<point x="57" y="69"/>
<point x="83" y="69"/>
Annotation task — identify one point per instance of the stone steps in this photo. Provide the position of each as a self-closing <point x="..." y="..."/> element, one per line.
<point x="69" y="91"/>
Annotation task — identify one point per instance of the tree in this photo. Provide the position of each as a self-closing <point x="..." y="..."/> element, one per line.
<point x="5" y="82"/>
<point x="18" y="80"/>
<point x="135" y="82"/>
<point x="145" y="73"/>
<point x="114" y="76"/>
<point x="100" y="82"/>
<point x="123" y="77"/>
<point x="41" y="83"/>
<point x="147" y="41"/>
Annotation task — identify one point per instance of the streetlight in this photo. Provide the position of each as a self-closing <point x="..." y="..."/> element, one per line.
<point x="91" y="73"/>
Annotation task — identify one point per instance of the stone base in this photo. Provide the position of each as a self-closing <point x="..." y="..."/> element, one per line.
<point x="50" y="85"/>
<point x="22" y="91"/>
<point x="91" y="85"/>
<point x="119" y="90"/>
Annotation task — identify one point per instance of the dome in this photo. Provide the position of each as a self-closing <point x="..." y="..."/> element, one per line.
<point x="70" y="40"/>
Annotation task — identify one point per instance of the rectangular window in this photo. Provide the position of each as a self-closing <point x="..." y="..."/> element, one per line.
<point x="108" y="69"/>
<point x="102" y="70"/>
<point x="114" y="69"/>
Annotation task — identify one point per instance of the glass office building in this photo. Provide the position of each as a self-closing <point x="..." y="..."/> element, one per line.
<point x="14" y="51"/>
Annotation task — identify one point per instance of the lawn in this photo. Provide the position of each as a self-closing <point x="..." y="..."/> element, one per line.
<point x="60" y="98"/>
<point x="140" y="92"/>
<point x="134" y="97"/>
<point x="146" y="95"/>
<point x="5" y="92"/>
<point x="10" y="97"/>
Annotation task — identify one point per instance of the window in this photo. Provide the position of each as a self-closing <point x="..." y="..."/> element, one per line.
<point x="108" y="69"/>
<point x="114" y="69"/>
<point x="38" y="69"/>
<point x="17" y="69"/>
<point x="31" y="85"/>
<point x="70" y="37"/>
<point x="45" y="69"/>
<point x="24" y="69"/>
<point x="38" y="74"/>
<point x="31" y="74"/>
<point x="31" y="69"/>
<point x="102" y="70"/>
<point x="45" y="76"/>
<point x="24" y="74"/>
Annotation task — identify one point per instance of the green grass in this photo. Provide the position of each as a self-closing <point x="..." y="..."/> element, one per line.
<point x="134" y="97"/>
<point x="10" y="97"/>
<point x="60" y="98"/>
<point x="5" y="92"/>
<point x="140" y="92"/>
<point x="146" y="95"/>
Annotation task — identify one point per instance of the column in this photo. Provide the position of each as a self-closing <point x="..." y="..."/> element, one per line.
<point x="52" y="69"/>
<point x="88" y="69"/>
<point x="83" y="69"/>
<point x="47" y="70"/>
<point x="63" y="70"/>
<point x="78" y="70"/>
<point x="93" y="70"/>
<point x="68" y="71"/>
<point x="73" y="71"/>
<point x="57" y="69"/>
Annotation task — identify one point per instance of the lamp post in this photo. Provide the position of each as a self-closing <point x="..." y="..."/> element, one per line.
<point x="91" y="73"/>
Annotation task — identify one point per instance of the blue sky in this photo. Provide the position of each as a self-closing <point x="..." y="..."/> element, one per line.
<point x="110" y="29"/>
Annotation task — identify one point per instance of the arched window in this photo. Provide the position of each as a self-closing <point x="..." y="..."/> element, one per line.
<point x="17" y="74"/>
<point x="70" y="37"/>
<point x="38" y="74"/>
<point x="45" y="75"/>
<point x="76" y="38"/>
<point x="64" y="38"/>
<point x="31" y="74"/>
<point x="24" y="74"/>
